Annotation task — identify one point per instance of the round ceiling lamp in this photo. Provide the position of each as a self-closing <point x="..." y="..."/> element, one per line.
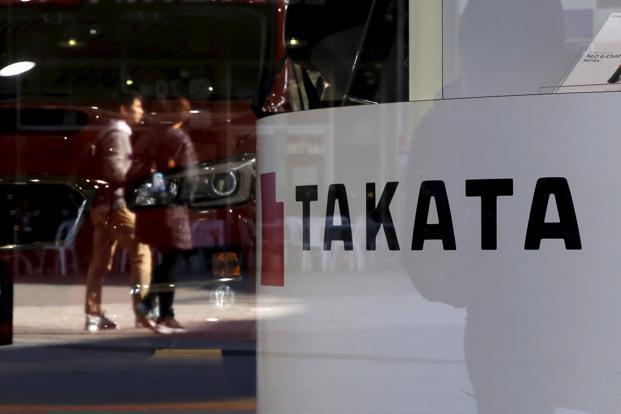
<point x="17" y="68"/>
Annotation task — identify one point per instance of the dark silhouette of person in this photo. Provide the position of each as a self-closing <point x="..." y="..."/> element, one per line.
<point x="539" y="330"/>
<point x="510" y="47"/>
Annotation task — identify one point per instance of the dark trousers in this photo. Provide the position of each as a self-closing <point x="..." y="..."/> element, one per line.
<point x="163" y="284"/>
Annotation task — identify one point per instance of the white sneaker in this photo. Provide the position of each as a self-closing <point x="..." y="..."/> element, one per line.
<point x="95" y="323"/>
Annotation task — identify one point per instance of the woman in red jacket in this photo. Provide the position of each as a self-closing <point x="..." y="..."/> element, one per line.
<point x="165" y="228"/>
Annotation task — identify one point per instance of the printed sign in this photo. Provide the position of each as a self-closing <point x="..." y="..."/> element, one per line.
<point x="599" y="68"/>
<point x="474" y="270"/>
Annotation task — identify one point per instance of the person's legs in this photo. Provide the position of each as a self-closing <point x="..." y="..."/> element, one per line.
<point x="162" y="287"/>
<point x="101" y="261"/>
<point x="165" y="287"/>
<point x="123" y="230"/>
<point x="148" y="301"/>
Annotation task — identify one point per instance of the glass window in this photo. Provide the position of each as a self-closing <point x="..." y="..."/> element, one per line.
<point x="127" y="194"/>
<point x="494" y="48"/>
<point x="358" y="55"/>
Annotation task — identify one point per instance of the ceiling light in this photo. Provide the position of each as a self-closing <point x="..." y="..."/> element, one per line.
<point x="17" y="68"/>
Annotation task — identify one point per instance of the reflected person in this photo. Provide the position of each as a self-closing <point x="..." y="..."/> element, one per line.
<point x="167" y="227"/>
<point x="113" y="222"/>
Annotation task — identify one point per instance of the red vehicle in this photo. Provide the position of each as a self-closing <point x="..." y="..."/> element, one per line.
<point x="219" y="54"/>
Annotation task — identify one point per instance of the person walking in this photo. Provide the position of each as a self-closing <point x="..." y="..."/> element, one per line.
<point x="113" y="222"/>
<point x="167" y="227"/>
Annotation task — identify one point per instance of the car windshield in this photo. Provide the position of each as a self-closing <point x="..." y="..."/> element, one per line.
<point x="205" y="51"/>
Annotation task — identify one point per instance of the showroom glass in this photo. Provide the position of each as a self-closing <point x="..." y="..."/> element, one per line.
<point x="487" y="49"/>
<point x="83" y="53"/>
<point x="63" y="64"/>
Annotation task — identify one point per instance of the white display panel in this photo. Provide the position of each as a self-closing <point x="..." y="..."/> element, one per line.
<point x="527" y="327"/>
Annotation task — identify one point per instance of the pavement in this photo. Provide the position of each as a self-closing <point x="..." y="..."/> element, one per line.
<point x="55" y="366"/>
<point x="46" y="314"/>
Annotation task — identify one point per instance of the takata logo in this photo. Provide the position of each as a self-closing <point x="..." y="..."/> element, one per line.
<point x="378" y="216"/>
<point x="273" y="236"/>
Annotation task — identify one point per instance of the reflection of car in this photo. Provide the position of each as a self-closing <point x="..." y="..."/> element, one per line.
<point x="219" y="54"/>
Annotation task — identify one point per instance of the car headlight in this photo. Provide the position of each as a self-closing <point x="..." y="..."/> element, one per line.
<point x="208" y="184"/>
<point x="223" y="184"/>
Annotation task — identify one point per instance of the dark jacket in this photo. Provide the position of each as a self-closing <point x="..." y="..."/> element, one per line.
<point x="166" y="228"/>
